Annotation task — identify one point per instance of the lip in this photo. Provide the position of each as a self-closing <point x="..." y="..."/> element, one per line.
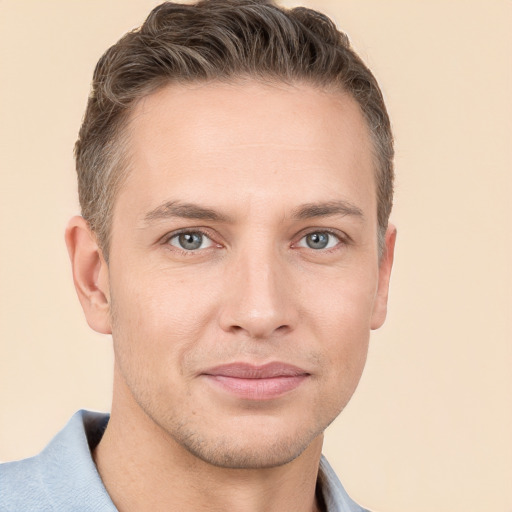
<point x="256" y="382"/>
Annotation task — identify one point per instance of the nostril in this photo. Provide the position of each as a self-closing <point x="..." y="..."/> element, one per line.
<point x="259" y="331"/>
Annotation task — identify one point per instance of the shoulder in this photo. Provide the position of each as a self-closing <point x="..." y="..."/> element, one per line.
<point x="22" y="486"/>
<point x="63" y="476"/>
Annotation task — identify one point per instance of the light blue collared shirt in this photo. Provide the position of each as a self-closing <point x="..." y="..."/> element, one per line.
<point x="63" y="477"/>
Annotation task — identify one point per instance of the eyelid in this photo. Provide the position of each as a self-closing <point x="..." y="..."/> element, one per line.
<point x="206" y="241"/>
<point x="341" y="236"/>
<point x="165" y="240"/>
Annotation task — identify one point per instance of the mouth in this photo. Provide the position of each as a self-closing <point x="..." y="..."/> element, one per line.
<point x="253" y="382"/>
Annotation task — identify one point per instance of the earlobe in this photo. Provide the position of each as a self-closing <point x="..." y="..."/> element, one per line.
<point x="385" y="266"/>
<point x="90" y="274"/>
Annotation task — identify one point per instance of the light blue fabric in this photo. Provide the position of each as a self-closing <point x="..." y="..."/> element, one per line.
<point x="63" y="476"/>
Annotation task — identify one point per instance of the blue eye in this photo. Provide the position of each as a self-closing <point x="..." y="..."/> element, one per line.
<point x="190" y="241"/>
<point x="319" y="240"/>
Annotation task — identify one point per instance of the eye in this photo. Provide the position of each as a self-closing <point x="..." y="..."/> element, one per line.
<point x="319" y="240"/>
<point x="190" y="241"/>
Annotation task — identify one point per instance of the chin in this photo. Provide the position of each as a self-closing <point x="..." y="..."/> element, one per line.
<point x="247" y="454"/>
<point x="246" y="446"/>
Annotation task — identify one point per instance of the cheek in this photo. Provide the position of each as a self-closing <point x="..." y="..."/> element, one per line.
<point x="157" y="319"/>
<point x="342" y="303"/>
<point x="340" y="317"/>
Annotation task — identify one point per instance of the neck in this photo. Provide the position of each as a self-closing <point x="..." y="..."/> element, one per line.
<point x="144" y="469"/>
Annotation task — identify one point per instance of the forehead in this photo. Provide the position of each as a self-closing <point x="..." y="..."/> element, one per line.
<point x="244" y="140"/>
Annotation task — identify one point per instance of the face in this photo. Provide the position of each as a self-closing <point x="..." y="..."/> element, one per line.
<point x="244" y="275"/>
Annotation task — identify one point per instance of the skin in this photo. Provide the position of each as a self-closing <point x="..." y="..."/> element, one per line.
<point x="240" y="165"/>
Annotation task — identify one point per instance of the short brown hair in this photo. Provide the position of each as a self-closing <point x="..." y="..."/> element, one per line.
<point x="218" y="40"/>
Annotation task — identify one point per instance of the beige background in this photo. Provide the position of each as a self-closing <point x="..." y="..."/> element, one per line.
<point x="430" y="427"/>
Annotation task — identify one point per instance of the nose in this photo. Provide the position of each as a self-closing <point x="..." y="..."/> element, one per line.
<point x="258" y="296"/>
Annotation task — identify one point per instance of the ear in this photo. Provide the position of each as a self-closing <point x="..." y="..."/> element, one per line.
<point x="380" y="306"/>
<point x="90" y="274"/>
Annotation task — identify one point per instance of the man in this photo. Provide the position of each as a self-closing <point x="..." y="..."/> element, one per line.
<point x="235" y="178"/>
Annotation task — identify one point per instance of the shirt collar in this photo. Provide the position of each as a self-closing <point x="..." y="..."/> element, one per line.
<point x="83" y="489"/>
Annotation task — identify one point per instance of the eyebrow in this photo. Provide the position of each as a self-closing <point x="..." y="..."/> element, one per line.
<point x="177" y="209"/>
<point x="171" y="209"/>
<point x="330" y="208"/>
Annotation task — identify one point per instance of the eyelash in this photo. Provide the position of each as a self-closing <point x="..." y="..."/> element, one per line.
<point x="191" y="252"/>
<point x="342" y="238"/>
